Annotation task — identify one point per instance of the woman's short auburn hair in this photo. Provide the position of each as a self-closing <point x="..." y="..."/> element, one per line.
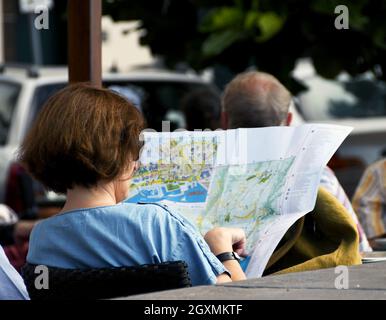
<point x="82" y="135"/>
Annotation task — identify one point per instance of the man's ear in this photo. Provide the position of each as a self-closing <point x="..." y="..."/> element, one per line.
<point x="289" y="119"/>
<point x="224" y="120"/>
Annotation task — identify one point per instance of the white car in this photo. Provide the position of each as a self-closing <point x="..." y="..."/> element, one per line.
<point x="23" y="92"/>
<point x="358" y="102"/>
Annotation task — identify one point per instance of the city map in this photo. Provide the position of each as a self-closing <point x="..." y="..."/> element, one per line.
<point x="262" y="192"/>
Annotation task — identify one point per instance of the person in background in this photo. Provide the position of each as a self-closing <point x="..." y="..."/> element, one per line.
<point x="257" y="99"/>
<point x="12" y="229"/>
<point x="14" y="236"/>
<point x="85" y="143"/>
<point x="11" y="284"/>
<point x="202" y="109"/>
<point x="369" y="201"/>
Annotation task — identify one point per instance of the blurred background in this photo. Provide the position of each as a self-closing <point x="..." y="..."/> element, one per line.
<point x="156" y="52"/>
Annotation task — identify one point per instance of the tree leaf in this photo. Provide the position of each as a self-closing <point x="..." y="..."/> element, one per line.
<point x="269" y="24"/>
<point x="217" y="42"/>
<point x="222" y="18"/>
<point x="251" y="20"/>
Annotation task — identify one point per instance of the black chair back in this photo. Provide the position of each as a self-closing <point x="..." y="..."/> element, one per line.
<point x="107" y="283"/>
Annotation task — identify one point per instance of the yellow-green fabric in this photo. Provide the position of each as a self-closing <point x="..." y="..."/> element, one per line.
<point x="325" y="238"/>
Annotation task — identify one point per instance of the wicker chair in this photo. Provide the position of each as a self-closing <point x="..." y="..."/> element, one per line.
<point x="108" y="283"/>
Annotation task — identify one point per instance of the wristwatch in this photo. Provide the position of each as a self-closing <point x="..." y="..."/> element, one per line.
<point x="228" y="256"/>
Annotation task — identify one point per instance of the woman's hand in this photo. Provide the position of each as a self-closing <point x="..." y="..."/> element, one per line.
<point x="222" y="240"/>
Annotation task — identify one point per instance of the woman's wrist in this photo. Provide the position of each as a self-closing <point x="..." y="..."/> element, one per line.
<point x="235" y="270"/>
<point x="216" y="250"/>
<point x="219" y="241"/>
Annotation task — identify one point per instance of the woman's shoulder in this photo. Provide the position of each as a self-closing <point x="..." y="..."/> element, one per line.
<point x="152" y="210"/>
<point x="151" y="214"/>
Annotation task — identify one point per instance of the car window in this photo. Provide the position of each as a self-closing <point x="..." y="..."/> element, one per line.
<point x="42" y="94"/>
<point x="157" y="100"/>
<point x="352" y="98"/>
<point x="9" y="93"/>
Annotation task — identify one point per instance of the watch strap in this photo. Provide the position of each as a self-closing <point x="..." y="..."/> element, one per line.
<point x="226" y="256"/>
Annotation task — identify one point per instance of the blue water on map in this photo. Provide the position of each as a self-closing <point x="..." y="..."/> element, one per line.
<point x="196" y="193"/>
<point x="244" y="263"/>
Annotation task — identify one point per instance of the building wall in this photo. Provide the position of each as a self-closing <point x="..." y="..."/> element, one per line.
<point x="121" y="48"/>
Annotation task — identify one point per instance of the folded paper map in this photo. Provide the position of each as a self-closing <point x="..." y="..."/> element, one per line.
<point x="261" y="180"/>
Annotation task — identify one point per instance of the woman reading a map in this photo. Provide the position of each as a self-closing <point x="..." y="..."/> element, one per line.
<point x="85" y="144"/>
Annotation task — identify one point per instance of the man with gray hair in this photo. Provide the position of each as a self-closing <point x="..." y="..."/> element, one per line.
<point x="257" y="99"/>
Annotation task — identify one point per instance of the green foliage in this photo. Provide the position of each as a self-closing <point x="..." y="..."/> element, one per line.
<point x="269" y="24"/>
<point x="226" y="26"/>
<point x="222" y="18"/>
<point x="219" y="41"/>
<point x="233" y="35"/>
